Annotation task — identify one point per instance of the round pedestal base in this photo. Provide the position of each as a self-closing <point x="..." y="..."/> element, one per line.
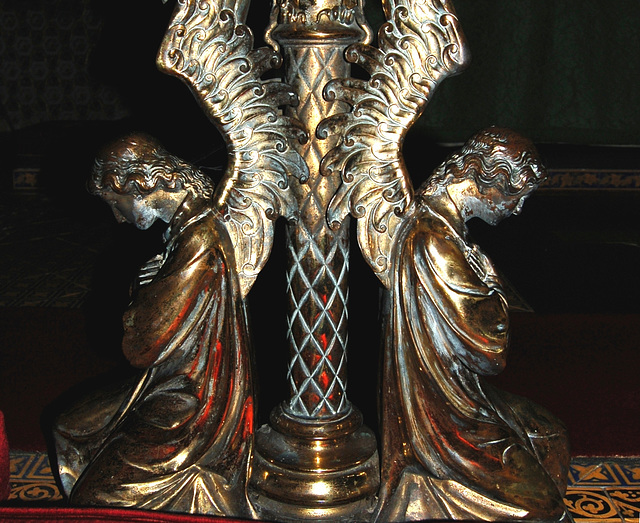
<point x="310" y="469"/>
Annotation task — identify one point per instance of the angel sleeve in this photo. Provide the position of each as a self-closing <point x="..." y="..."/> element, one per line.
<point x="458" y="313"/>
<point x="165" y="311"/>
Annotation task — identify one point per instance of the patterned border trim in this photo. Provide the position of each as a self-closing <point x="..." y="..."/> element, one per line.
<point x="600" y="489"/>
<point x="606" y="490"/>
<point x="31" y="478"/>
<point x="592" y="179"/>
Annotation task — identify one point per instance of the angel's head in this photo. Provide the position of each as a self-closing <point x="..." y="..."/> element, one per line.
<point x="501" y="167"/>
<point x="142" y="182"/>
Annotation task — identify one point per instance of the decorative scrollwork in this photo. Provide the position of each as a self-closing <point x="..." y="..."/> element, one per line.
<point x="313" y="15"/>
<point x="36" y="490"/>
<point x="208" y="46"/>
<point x="420" y="44"/>
<point x="290" y="13"/>
<point x="345" y="12"/>
<point x="590" y="504"/>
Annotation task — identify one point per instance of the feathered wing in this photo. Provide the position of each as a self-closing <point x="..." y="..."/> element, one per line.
<point x="208" y="46"/>
<point x="420" y="44"/>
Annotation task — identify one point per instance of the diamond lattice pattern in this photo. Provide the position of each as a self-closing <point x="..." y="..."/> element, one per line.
<point x="318" y="260"/>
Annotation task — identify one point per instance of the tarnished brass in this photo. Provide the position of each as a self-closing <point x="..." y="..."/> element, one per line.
<point x="180" y="437"/>
<point x="208" y="46"/>
<point x="454" y="447"/>
<point x="344" y="478"/>
<point x="317" y="148"/>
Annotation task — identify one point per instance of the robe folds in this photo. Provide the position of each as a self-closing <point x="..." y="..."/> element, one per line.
<point x="180" y="437"/>
<point x="452" y="445"/>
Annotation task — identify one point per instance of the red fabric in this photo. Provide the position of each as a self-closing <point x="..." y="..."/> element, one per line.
<point x="4" y="461"/>
<point x="584" y="369"/>
<point x="88" y="515"/>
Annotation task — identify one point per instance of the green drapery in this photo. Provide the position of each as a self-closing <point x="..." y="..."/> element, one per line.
<point x="555" y="70"/>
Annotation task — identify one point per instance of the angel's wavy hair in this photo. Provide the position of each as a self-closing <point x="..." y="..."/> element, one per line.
<point x="139" y="164"/>
<point x="493" y="157"/>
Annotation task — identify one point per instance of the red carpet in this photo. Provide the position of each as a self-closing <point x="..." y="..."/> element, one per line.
<point x="90" y="515"/>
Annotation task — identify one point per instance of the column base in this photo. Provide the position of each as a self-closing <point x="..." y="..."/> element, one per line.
<point x="311" y="469"/>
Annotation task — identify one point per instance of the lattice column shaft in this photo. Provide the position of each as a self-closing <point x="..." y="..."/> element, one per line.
<point x="316" y="460"/>
<point x="318" y="256"/>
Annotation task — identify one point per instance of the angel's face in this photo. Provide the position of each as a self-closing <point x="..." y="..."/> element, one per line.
<point x="498" y="205"/>
<point x="138" y="209"/>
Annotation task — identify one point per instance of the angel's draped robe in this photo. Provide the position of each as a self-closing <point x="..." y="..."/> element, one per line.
<point x="180" y="437"/>
<point x="453" y="446"/>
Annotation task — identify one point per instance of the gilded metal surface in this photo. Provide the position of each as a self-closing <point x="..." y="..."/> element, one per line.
<point x="419" y="46"/>
<point x="178" y="438"/>
<point x="344" y="478"/>
<point x="320" y="470"/>
<point x="317" y="148"/>
<point x="208" y="46"/>
<point x="313" y="37"/>
<point x="454" y="447"/>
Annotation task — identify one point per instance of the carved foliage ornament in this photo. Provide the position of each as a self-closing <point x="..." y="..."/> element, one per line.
<point x="419" y="46"/>
<point x="208" y="46"/>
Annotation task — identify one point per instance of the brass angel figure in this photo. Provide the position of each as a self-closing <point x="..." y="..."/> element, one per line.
<point x="454" y="447"/>
<point x="182" y="437"/>
<point x="179" y="437"/>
